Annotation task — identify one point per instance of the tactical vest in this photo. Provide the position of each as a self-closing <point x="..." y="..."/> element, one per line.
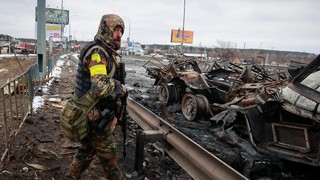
<point x="83" y="81"/>
<point x="73" y="118"/>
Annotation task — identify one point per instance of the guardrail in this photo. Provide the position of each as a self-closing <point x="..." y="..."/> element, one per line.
<point x="195" y="160"/>
<point x="16" y="98"/>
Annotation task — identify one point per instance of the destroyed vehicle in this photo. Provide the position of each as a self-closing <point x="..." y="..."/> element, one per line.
<point x="182" y="81"/>
<point x="201" y="93"/>
<point x="286" y="123"/>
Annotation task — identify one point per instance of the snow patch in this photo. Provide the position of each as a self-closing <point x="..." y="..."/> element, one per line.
<point x="38" y="101"/>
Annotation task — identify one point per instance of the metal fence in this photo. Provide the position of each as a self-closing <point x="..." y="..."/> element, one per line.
<point x="16" y="99"/>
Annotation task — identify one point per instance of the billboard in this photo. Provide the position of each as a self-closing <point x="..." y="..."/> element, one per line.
<point x="53" y="31"/>
<point x="176" y="36"/>
<point x="56" y="16"/>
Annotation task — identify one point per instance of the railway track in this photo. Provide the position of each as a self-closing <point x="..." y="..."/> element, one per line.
<point x="195" y="160"/>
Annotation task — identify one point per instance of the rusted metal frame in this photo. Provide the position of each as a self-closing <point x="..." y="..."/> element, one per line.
<point x="260" y="72"/>
<point x="305" y="149"/>
<point x="198" y="162"/>
<point x="20" y="94"/>
<point x="27" y="92"/>
<point x="10" y="101"/>
<point x="6" y="141"/>
<point x="297" y="156"/>
<point x="24" y="112"/>
<point x="31" y="87"/>
<point x="25" y="104"/>
<point x="234" y="67"/>
<point x="160" y="66"/>
<point x="31" y="92"/>
<point x="156" y="58"/>
<point x="284" y="154"/>
<point x="16" y="100"/>
<point x="23" y="95"/>
<point x="255" y="68"/>
<point x="186" y="63"/>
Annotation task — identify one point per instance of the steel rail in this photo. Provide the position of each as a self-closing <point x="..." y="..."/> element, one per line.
<point x="195" y="160"/>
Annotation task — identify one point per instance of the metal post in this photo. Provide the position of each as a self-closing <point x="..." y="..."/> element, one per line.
<point x="139" y="151"/>
<point x="50" y="46"/>
<point x="61" y="35"/>
<point x="184" y="14"/>
<point x="129" y="33"/>
<point x="141" y="137"/>
<point x="69" y="33"/>
<point x="41" y="37"/>
<point x="70" y="30"/>
<point x="129" y="26"/>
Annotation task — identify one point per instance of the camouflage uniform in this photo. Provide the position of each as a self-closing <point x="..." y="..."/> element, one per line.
<point x="108" y="89"/>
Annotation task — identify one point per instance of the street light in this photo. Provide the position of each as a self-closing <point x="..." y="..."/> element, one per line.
<point x="129" y="25"/>
<point x="184" y="16"/>
<point x="70" y="29"/>
<point x="128" y="41"/>
<point x="62" y="24"/>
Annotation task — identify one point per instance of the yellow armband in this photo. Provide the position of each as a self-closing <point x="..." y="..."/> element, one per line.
<point x="98" y="69"/>
<point x="96" y="57"/>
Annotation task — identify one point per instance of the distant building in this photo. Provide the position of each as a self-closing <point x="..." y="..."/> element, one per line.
<point x="132" y="48"/>
<point x="195" y="55"/>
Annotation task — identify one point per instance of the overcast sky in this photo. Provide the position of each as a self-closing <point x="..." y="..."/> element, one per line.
<point x="291" y="25"/>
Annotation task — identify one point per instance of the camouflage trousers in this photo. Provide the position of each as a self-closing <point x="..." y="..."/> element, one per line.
<point x="101" y="144"/>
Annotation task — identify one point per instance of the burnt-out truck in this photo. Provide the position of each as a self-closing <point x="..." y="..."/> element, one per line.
<point x="203" y="93"/>
<point x="281" y="116"/>
<point x="286" y="122"/>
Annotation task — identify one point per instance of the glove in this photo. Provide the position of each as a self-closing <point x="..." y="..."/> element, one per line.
<point x="120" y="89"/>
<point x="124" y="93"/>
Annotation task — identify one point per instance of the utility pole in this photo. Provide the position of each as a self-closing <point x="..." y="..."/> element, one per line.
<point x="69" y="44"/>
<point x="41" y="37"/>
<point x="128" y="40"/>
<point x="70" y="30"/>
<point x="184" y="14"/>
<point x="61" y="35"/>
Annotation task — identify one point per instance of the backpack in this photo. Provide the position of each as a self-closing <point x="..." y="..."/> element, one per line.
<point x="74" y="116"/>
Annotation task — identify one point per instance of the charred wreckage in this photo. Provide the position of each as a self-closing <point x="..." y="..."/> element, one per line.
<point x="279" y="109"/>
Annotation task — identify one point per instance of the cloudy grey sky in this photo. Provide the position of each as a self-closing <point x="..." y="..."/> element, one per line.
<point x="292" y="25"/>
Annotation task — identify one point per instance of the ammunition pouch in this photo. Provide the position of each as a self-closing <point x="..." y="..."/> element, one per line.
<point x="74" y="116"/>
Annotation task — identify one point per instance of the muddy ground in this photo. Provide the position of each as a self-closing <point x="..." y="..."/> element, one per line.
<point x="40" y="150"/>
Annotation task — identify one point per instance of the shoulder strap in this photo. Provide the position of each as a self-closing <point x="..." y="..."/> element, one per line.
<point x="86" y="102"/>
<point x="86" y="48"/>
<point x="113" y="70"/>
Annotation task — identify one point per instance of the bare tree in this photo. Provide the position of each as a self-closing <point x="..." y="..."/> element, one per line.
<point x="225" y="51"/>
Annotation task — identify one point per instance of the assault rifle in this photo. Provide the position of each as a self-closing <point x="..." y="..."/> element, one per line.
<point x="123" y="116"/>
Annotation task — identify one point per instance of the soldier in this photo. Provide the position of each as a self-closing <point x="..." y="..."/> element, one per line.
<point x="97" y="70"/>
